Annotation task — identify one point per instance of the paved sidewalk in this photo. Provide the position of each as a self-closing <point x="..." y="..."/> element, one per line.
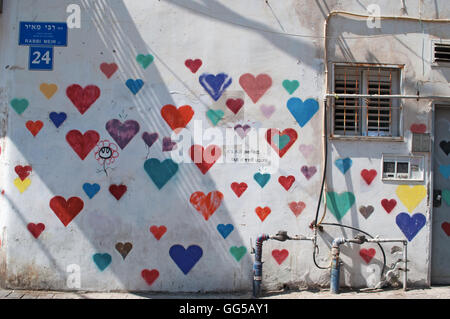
<point x="431" y="293"/>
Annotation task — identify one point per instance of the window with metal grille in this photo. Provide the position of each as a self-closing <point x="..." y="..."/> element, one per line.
<point x="441" y="52"/>
<point x="362" y="116"/>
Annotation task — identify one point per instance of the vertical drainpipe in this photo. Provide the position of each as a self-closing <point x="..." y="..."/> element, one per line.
<point x="257" y="265"/>
<point x="335" y="265"/>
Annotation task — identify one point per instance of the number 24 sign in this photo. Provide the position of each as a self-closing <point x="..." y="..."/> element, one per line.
<point x="41" y="58"/>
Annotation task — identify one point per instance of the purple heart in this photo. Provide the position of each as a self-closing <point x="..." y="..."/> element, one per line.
<point x="308" y="171"/>
<point x="122" y="133"/>
<point x="267" y="110"/>
<point x="242" y="130"/>
<point x="150" y="138"/>
<point x="168" y="144"/>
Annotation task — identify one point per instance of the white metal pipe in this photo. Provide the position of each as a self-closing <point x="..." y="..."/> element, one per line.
<point x="387" y="240"/>
<point x="394" y="96"/>
<point x="405" y="259"/>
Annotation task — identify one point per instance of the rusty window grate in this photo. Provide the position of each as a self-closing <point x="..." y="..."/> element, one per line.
<point x="441" y="52"/>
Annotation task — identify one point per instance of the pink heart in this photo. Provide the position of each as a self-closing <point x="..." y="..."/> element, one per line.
<point x="257" y="86"/>
<point x="297" y="208"/>
<point x="306" y="150"/>
<point x="267" y="110"/>
<point x="242" y="130"/>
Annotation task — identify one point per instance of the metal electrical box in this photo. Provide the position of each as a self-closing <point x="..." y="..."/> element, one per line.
<point x="421" y="143"/>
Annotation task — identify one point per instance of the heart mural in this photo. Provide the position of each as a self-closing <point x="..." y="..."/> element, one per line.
<point x="109" y="69"/>
<point x="445" y="147"/>
<point x="19" y="105"/>
<point x="34" y="127"/>
<point x="145" y="60"/>
<point x="255" y="87"/>
<point x="225" y="230"/>
<point x="102" y="261"/>
<point x="58" y="118"/>
<point x="124" y="249"/>
<point x="158" y="231"/>
<point x="286" y="181"/>
<point x="303" y="112"/>
<point x="160" y="172"/>
<point x="215" y="116"/>
<point x="411" y="196"/>
<point x="23" y="171"/>
<point x="339" y="204"/>
<point x="239" y="188"/>
<point x="235" y="105"/>
<point x="83" y="98"/>
<point x="281" y="142"/>
<point x="179" y="118"/>
<point x="343" y="164"/>
<point x="82" y="144"/>
<point x="118" y="190"/>
<point x="291" y="86"/>
<point x="368" y="175"/>
<point x="91" y="189"/>
<point x="185" y="259"/>
<point x="134" y="85"/>
<point x="150" y="276"/>
<point x="367" y="254"/>
<point x="206" y="204"/>
<point x="297" y="207"/>
<point x="261" y="179"/>
<point x="205" y="158"/>
<point x="308" y="171"/>
<point x="48" y="89"/>
<point x="410" y="225"/>
<point x="263" y="212"/>
<point x="215" y="85"/>
<point x="388" y="204"/>
<point x="150" y="138"/>
<point x="193" y="65"/>
<point x="280" y="255"/>
<point x="366" y="211"/>
<point x="66" y="211"/>
<point x="238" y="252"/>
<point x="122" y="133"/>
<point x="36" y="229"/>
<point x="22" y="185"/>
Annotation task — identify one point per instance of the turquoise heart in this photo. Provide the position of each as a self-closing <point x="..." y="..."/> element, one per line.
<point x="145" y="60"/>
<point x="160" y="173"/>
<point x="343" y="164"/>
<point x="446" y="196"/>
<point x="281" y="141"/>
<point x="215" y="116"/>
<point x="339" y="204"/>
<point x="238" y="252"/>
<point x="19" y="105"/>
<point x="102" y="260"/>
<point x="261" y="179"/>
<point x="445" y="170"/>
<point x="291" y="86"/>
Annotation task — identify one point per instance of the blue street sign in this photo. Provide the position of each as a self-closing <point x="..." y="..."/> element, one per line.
<point x="43" y="33"/>
<point x="41" y="58"/>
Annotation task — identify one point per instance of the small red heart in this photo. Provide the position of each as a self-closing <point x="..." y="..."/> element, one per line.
<point x="262" y="212"/>
<point x="206" y="204"/>
<point x="23" y="171"/>
<point x="158" y="232"/>
<point x="205" y="158"/>
<point x="368" y="175"/>
<point x="82" y="144"/>
<point x="117" y="190"/>
<point x="280" y="255"/>
<point x="367" y="254"/>
<point x="66" y="211"/>
<point x="446" y="228"/>
<point x="36" y="229"/>
<point x="297" y="208"/>
<point x="239" y="189"/>
<point x="289" y="132"/>
<point x="193" y="65"/>
<point x="235" y="105"/>
<point x="418" y="128"/>
<point x="108" y="69"/>
<point x="150" y="275"/>
<point x="286" y="181"/>
<point x="83" y="98"/>
<point x="388" y="204"/>
<point x="34" y="127"/>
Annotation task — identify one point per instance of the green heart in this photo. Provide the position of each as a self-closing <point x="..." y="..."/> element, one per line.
<point x="215" y="116"/>
<point x="282" y="141"/>
<point x="145" y="60"/>
<point x="19" y="105"/>
<point x="291" y="86"/>
<point x="446" y="196"/>
<point x="339" y="204"/>
<point x="238" y="252"/>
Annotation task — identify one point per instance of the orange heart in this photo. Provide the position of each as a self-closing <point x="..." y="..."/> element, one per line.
<point x="34" y="127"/>
<point x="48" y="89"/>
<point x="262" y="212"/>
<point x="206" y="204"/>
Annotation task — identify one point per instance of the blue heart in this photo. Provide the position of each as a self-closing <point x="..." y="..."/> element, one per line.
<point x="91" y="189"/>
<point x="261" y="179"/>
<point x="102" y="260"/>
<point x="302" y="111"/>
<point x="160" y="172"/>
<point x="445" y="170"/>
<point x="185" y="258"/>
<point x="134" y="85"/>
<point x="343" y="164"/>
<point x="410" y="225"/>
<point x="215" y="85"/>
<point x="58" y="118"/>
<point x="225" y="230"/>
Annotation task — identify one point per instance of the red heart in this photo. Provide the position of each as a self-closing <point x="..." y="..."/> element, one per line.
<point x="368" y="175"/>
<point x="388" y="204"/>
<point x="82" y="144"/>
<point x="23" y="171"/>
<point x="418" y="128"/>
<point x="297" y="208"/>
<point x="367" y="254"/>
<point x="286" y="181"/>
<point x="83" y="98"/>
<point x="255" y="87"/>
<point x="262" y="212"/>
<point x="193" y="65"/>
<point x="34" y="127"/>
<point x="289" y="132"/>
<point x="66" y="211"/>
<point x="446" y="227"/>
<point x="158" y="232"/>
<point x="239" y="189"/>
<point x="36" y="230"/>
<point x="108" y="69"/>
<point x="235" y="105"/>
<point x="117" y="190"/>
<point x="150" y="275"/>
<point x="280" y="255"/>
<point x="205" y="158"/>
<point x="206" y="204"/>
<point x="177" y="118"/>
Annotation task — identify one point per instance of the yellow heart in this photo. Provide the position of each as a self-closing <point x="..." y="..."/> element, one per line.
<point x="22" y="185"/>
<point x="48" y="89"/>
<point x="411" y="196"/>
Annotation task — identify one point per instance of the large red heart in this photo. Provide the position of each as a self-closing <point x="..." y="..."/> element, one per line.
<point x="286" y="181"/>
<point x="235" y="105"/>
<point x="36" y="229"/>
<point x="66" y="211"/>
<point x="297" y="208"/>
<point x="193" y="65"/>
<point x="255" y="87"/>
<point x="108" y="69"/>
<point x="205" y="158"/>
<point x="289" y="132"/>
<point x="83" y="98"/>
<point x="388" y="204"/>
<point x="206" y="204"/>
<point x="446" y="228"/>
<point x="150" y="275"/>
<point x="117" y="190"/>
<point x="177" y="118"/>
<point x="23" y="171"/>
<point x="262" y="212"/>
<point x="368" y="175"/>
<point x="367" y="254"/>
<point x="82" y="144"/>
<point x="158" y="232"/>
<point x="239" y="188"/>
<point x="280" y="255"/>
<point x="34" y="127"/>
